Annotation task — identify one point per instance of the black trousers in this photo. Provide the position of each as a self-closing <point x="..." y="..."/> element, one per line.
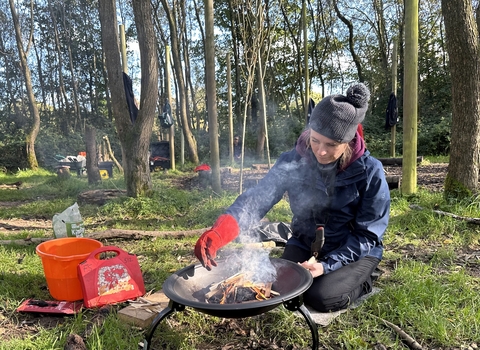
<point x="338" y="289"/>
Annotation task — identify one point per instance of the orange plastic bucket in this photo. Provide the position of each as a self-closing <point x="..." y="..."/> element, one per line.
<point x="60" y="258"/>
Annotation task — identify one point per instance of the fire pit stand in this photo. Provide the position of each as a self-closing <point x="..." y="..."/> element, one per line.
<point x="188" y="286"/>
<point x="295" y="304"/>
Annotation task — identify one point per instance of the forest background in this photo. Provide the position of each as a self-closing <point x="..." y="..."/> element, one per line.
<point x="347" y="42"/>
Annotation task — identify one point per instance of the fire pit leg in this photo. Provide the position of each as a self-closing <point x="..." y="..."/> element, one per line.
<point x="296" y="304"/>
<point x="170" y="309"/>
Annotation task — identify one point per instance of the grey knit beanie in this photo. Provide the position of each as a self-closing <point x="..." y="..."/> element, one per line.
<point x="337" y="116"/>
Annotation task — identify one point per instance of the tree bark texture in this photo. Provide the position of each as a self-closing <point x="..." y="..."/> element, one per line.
<point x="463" y="48"/>
<point x="92" y="158"/>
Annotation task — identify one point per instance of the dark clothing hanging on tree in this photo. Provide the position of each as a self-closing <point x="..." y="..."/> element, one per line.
<point x="311" y="106"/>
<point x="166" y="119"/>
<point x="391" y="115"/>
<point x="130" y="97"/>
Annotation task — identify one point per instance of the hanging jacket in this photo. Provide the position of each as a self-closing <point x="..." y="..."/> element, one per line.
<point x="355" y="214"/>
<point x="391" y="113"/>
<point x="130" y="97"/>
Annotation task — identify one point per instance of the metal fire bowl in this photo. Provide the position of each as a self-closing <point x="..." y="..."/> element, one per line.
<point x="188" y="287"/>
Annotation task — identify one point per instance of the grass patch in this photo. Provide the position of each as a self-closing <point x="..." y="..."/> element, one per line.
<point x="430" y="286"/>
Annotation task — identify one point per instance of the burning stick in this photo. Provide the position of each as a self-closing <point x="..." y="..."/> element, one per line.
<point x="216" y="288"/>
<point x="268" y="289"/>
<point x="238" y="288"/>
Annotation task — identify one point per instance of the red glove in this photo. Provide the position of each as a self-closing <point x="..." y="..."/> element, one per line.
<point x="224" y="230"/>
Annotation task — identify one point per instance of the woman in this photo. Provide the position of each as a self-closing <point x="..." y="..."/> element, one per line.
<point x="339" y="198"/>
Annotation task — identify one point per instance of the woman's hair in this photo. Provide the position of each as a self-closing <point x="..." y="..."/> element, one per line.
<point x="346" y="156"/>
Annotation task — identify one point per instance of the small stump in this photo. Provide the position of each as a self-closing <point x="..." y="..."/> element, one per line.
<point x="99" y="197"/>
<point x="63" y="172"/>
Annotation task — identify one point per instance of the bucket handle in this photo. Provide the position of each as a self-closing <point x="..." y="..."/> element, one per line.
<point x="108" y="248"/>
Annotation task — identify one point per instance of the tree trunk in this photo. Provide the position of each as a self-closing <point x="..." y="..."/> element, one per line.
<point x="381" y="35"/>
<point x="107" y="90"/>
<point x="196" y="113"/>
<point x="464" y="52"/>
<point x="32" y="132"/>
<point x="236" y="39"/>
<point x="65" y="102"/>
<point x="351" y="46"/>
<point x="92" y="158"/>
<point x="40" y="74"/>
<point x="212" y="95"/>
<point x="76" y="104"/>
<point x="182" y="93"/>
<point x="135" y="139"/>
<point x="261" y="132"/>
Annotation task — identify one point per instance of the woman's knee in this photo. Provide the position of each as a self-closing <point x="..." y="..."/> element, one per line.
<point x="339" y="289"/>
<point x="325" y="303"/>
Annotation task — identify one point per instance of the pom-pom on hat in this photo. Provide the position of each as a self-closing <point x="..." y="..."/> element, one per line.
<point x="337" y="116"/>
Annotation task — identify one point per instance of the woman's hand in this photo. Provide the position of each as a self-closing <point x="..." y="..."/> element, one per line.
<point x="315" y="268"/>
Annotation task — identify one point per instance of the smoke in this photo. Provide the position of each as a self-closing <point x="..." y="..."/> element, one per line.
<point x="257" y="260"/>
<point x="255" y="263"/>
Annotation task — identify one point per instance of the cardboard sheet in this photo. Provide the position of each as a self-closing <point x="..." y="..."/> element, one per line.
<point x="50" y="307"/>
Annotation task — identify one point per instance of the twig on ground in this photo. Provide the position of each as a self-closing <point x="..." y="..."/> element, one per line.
<point x="444" y="213"/>
<point x="409" y="340"/>
<point x="116" y="233"/>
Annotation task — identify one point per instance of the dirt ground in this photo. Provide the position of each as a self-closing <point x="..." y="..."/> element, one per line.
<point x="430" y="177"/>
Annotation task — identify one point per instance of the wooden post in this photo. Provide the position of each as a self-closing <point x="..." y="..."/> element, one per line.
<point x="123" y="51"/>
<point x="394" y="90"/>
<point x="264" y="106"/>
<point x="305" y="58"/>
<point x="410" y="99"/>
<point x="171" y="130"/>
<point x="230" y="114"/>
<point x="182" y="148"/>
<point x="123" y="48"/>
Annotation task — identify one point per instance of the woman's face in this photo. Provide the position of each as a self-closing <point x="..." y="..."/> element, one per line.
<point x="325" y="150"/>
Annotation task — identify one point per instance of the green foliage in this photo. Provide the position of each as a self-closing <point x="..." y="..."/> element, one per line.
<point x="13" y="156"/>
<point x="434" y="138"/>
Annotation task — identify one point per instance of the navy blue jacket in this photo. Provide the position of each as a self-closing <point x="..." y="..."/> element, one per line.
<point x="355" y="215"/>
